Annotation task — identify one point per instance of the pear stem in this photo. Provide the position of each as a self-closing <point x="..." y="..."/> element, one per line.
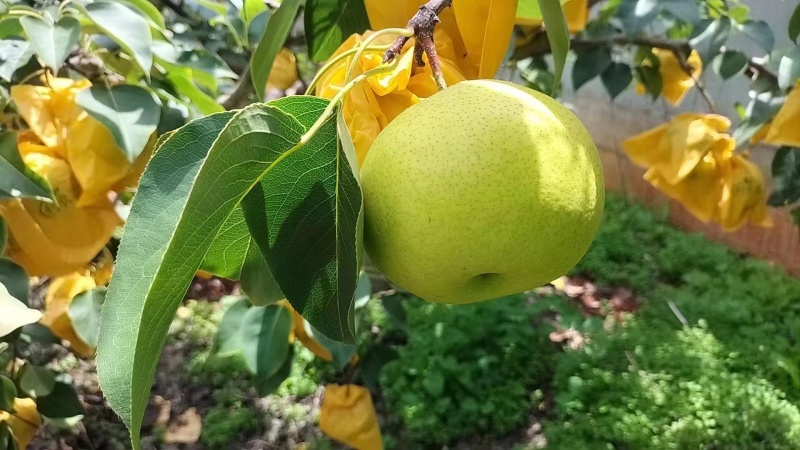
<point x="422" y="25"/>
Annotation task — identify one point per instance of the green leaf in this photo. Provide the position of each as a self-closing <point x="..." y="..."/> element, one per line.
<point x="227" y="253"/>
<point x="739" y="13"/>
<point x="794" y="24"/>
<point x="759" y="32"/>
<point x="789" y="68"/>
<point x="265" y="338"/>
<point x="271" y="43"/>
<point x="130" y="112"/>
<point x="150" y="11"/>
<point x="260" y="335"/>
<point x="590" y="64"/>
<point x="786" y="176"/>
<point x="16" y="179"/>
<point x="14" y="53"/>
<point x="183" y="81"/>
<point x="84" y="312"/>
<point x="37" y="381"/>
<point x="329" y="22"/>
<point x="125" y="27"/>
<point x="709" y="42"/>
<point x="15" y="314"/>
<point x="342" y="353"/>
<point x="10" y="26"/>
<point x="218" y="8"/>
<point x="251" y="9"/>
<point x="7" y="393"/>
<point x="191" y="186"/>
<point x="373" y="362"/>
<point x="228" y="341"/>
<point x="616" y="78"/>
<point x="393" y="305"/>
<point x="15" y="279"/>
<point x="650" y="77"/>
<point x="363" y="291"/>
<point x="557" y="34"/>
<point x="730" y="63"/>
<point x="686" y="10"/>
<point x="268" y="385"/>
<point x="318" y="272"/>
<point x="62" y="403"/>
<point x="53" y="42"/>
<point x="759" y="111"/>
<point x="257" y="280"/>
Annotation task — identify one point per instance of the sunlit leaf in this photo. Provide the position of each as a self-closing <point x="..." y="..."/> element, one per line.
<point x="309" y="227"/>
<point x="14" y="53"/>
<point x="190" y="187"/>
<point x="53" y="42"/>
<point x="84" y="313"/>
<point x="557" y="34"/>
<point x="329" y="22"/>
<point x="789" y="68"/>
<point x="271" y="43"/>
<point x="127" y="28"/>
<point x="130" y="112"/>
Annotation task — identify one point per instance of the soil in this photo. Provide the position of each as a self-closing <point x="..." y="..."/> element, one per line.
<point x="101" y="429"/>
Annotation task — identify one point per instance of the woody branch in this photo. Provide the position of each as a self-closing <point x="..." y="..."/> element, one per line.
<point x="422" y="25"/>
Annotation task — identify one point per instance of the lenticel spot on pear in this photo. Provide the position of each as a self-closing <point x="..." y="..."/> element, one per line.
<point x="482" y="190"/>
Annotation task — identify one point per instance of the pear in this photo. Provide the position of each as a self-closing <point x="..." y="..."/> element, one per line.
<point x="482" y="190"/>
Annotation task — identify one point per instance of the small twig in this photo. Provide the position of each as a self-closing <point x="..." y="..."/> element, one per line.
<point x="689" y="69"/>
<point x="756" y="68"/>
<point x="423" y="24"/>
<point x="241" y="92"/>
<point x="678" y="313"/>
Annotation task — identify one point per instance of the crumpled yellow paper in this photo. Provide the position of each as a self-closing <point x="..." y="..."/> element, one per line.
<point x="674" y="148"/>
<point x="691" y="159"/>
<point x="471" y="41"/>
<point x="348" y="415"/>
<point x="60" y="294"/>
<point x="284" y="71"/>
<point x="675" y="82"/>
<point x="56" y="238"/>
<point x="299" y="333"/>
<point x="785" y="127"/>
<point x="49" y="110"/>
<point x="24" y="422"/>
<point x="80" y="158"/>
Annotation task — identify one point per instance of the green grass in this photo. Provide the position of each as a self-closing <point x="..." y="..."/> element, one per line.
<point x="727" y="380"/>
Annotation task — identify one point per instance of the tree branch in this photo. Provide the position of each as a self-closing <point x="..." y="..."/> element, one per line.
<point x="239" y="97"/>
<point x="423" y="24"/>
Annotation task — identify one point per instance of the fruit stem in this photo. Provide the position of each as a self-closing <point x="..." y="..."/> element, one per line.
<point x="422" y="26"/>
<point x="344" y="55"/>
<point x="403" y="32"/>
<point x="337" y="99"/>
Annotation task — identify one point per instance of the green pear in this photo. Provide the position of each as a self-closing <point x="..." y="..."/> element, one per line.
<point x="482" y="190"/>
